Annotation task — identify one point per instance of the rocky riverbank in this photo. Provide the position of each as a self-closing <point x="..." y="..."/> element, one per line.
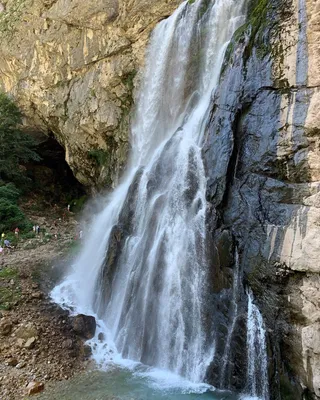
<point x="39" y="342"/>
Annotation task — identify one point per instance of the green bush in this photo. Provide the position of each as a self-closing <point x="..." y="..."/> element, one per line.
<point x="11" y="216"/>
<point x="78" y="204"/>
<point x="16" y="147"/>
<point x="9" y="192"/>
<point x="28" y="235"/>
<point x="99" y="156"/>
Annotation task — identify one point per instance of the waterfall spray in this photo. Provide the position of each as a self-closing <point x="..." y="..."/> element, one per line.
<point x="235" y="300"/>
<point x="143" y="270"/>
<point x="257" y="376"/>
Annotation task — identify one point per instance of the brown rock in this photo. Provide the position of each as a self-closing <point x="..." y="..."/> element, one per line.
<point x="26" y="331"/>
<point x="37" y="295"/>
<point x="34" y="388"/>
<point x="107" y="37"/>
<point x="67" y="344"/>
<point x="87" y="351"/>
<point x="5" y="327"/>
<point x="12" y="362"/>
<point x="21" y="365"/>
<point x="84" y="326"/>
<point x="30" y="343"/>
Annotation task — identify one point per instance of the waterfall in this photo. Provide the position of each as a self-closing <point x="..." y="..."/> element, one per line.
<point x="235" y="300"/>
<point x="257" y="375"/>
<point x="143" y="269"/>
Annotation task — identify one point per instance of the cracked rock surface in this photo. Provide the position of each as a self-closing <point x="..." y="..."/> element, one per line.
<point x="72" y="67"/>
<point x="263" y="160"/>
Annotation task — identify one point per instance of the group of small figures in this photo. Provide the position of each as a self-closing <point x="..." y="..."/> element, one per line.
<point x="36" y="229"/>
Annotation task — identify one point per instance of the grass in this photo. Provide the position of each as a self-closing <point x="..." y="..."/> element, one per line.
<point x="8" y="273"/>
<point x="8" y="298"/>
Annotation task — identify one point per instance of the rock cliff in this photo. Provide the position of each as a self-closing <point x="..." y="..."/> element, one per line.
<point x="71" y="66"/>
<point x="262" y="154"/>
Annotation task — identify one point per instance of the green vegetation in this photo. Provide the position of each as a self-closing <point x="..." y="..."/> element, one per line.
<point x="254" y="27"/>
<point x="128" y="79"/>
<point x="8" y="273"/>
<point x="99" y="156"/>
<point x="77" y="205"/>
<point x="10" y="214"/>
<point x="9" y="192"/>
<point x="258" y="11"/>
<point x="11" y="16"/>
<point x="16" y="148"/>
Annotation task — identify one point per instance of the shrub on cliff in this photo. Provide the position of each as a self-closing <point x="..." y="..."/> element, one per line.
<point x="10" y="214"/>
<point x="9" y="192"/>
<point x="16" y="147"/>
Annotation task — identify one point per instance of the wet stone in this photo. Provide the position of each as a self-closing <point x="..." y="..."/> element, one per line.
<point x="84" y="326"/>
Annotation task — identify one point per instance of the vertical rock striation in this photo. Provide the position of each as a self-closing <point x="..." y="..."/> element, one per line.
<point x="72" y="67"/>
<point x="262" y="154"/>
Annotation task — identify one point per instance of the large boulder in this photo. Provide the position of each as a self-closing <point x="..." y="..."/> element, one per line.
<point x="84" y="326"/>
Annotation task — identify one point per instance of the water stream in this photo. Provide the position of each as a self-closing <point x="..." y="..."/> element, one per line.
<point x="235" y="300"/>
<point x="122" y="385"/>
<point x="257" y="375"/>
<point x="143" y="268"/>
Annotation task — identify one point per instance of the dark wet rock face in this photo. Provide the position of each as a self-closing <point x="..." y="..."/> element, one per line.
<point x="84" y="326"/>
<point x="262" y="158"/>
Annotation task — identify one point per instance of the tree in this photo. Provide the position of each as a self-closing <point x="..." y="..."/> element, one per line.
<point x="11" y="216"/>
<point x="9" y="192"/>
<point x="16" y="147"/>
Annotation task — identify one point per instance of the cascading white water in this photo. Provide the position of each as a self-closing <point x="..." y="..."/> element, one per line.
<point x="235" y="300"/>
<point x="257" y="375"/>
<point x="143" y="268"/>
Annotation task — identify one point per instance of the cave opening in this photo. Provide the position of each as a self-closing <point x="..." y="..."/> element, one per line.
<point x="52" y="177"/>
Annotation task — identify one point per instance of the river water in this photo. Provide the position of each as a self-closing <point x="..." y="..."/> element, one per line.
<point x="122" y="384"/>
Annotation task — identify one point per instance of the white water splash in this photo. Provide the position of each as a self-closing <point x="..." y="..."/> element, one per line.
<point x="257" y="375"/>
<point x="235" y="300"/>
<point x="143" y="268"/>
